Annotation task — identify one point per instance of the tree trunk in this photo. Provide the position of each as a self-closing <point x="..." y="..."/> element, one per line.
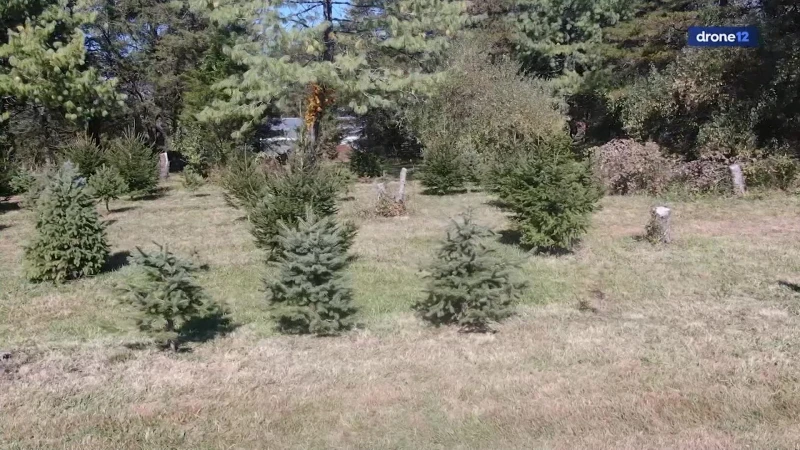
<point x="401" y="190"/>
<point x="658" y="229"/>
<point x="738" y="179"/>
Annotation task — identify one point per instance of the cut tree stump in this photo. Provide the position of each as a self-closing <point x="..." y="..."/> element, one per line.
<point x="401" y="191"/>
<point x="658" y="229"/>
<point x="163" y="166"/>
<point x="738" y="179"/>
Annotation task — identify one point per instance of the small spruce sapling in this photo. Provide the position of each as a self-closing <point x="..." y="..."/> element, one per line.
<point x="107" y="184"/>
<point x="468" y="284"/>
<point x="70" y="241"/>
<point x="312" y="293"/>
<point x="166" y="299"/>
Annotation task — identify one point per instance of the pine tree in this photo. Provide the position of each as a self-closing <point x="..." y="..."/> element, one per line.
<point x="107" y="184"/>
<point x="290" y="46"/>
<point x="166" y="300"/>
<point x="70" y="241"/>
<point x="469" y="285"/>
<point x="312" y="293"/>
<point x="43" y="60"/>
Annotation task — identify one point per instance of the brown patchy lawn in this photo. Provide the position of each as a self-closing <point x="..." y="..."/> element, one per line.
<point x="691" y="346"/>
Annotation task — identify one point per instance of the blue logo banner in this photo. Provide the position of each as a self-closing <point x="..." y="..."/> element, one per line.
<point x="723" y="37"/>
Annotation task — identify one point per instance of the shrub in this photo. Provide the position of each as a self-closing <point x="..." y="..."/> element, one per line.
<point x="30" y="184"/>
<point x="704" y="176"/>
<point x="551" y="197"/>
<point x="775" y="171"/>
<point x="200" y="147"/>
<point x="469" y="284"/>
<point x="83" y="152"/>
<point x="191" y="179"/>
<point x="107" y="184"/>
<point x="243" y="180"/>
<point x="482" y="114"/>
<point x="442" y="171"/>
<point x="165" y="298"/>
<point x="311" y="293"/>
<point x="285" y="195"/>
<point x="135" y="161"/>
<point x="70" y="241"/>
<point x="627" y="167"/>
<point x="366" y="164"/>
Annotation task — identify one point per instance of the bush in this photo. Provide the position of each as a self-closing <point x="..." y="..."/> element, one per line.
<point x="704" y="176"/>
<point x="286" y="194"/>
<point x="243" y="180"/>
<point x="107" y="184"/>
<point x="165" y="299"/>
<point x="70" y="241"/>
<point x="442" y="171"/>
<point x="83" y="152"/>
<point x="469" y="285"/>
<point x="201" y="148"/>
<point x="775" y="172"/>
<point x="551" y="197"/>
<point x="482" y="114"/>
<point x="311" y="294"/>
<point x="135" y="161"/>
<point x="366" y="164"/>
<point x="627" y="167"/>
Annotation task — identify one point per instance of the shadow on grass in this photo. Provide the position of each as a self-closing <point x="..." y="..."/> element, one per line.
<point x="207" y="328"/>
<point x="792" y="286"/>
<point x="201" y="195"/>
<point x="514" y="238"/>
<point x="9" y="206"/>
<point x="497" y="203"/>
<point x="3" y="227"/>
<point x="116" y="261"/>
<point x="123" y="209"/>
<point x="155" y="195"/>
<point x="436" y="193"/>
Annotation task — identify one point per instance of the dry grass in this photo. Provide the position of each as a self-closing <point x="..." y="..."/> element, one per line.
<point x="688" y="346"/>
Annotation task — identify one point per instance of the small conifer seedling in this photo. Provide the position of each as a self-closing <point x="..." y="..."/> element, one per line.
<point x="107" y="184"/>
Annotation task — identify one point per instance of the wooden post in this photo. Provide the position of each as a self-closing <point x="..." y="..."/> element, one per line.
<point x="658" y="229"/>
<point x="401" y="191"/>
<point x="738" y="179"/>
<point x="163" y="163"/>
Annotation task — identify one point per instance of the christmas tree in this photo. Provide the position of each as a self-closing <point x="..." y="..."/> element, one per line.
<point x="312" y="294"/>
<point x="166" y="299"/>
<point x="469" y="285"/>
<point x="70" y="241"/>
<point x="107" y="184"/>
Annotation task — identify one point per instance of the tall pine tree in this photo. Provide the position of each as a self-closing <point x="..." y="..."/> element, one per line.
<point x="289" y="46"/>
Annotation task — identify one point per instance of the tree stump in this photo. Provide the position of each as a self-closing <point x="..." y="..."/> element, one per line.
<point x="163" y="166"/>
<point x="738" y="179"/>
<point x="658" y="229"/>
<point x="401" y="191"/>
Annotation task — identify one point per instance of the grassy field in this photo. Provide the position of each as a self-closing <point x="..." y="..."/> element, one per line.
<point x="693" y="345"/>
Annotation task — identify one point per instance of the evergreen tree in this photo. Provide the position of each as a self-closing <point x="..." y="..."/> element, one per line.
<point x="43" y="61"/>
<point x="551" y="196"/>
<point x="469" y="285"/>
<point x="311" y="293"/>
<point x="287" y="192"/>
<point x="107" y="184"/>
<point x="135" y="161"/>
<point x="165" y="299"/>
<point x="291" y="45"/>
<point x="70" y="241"/>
